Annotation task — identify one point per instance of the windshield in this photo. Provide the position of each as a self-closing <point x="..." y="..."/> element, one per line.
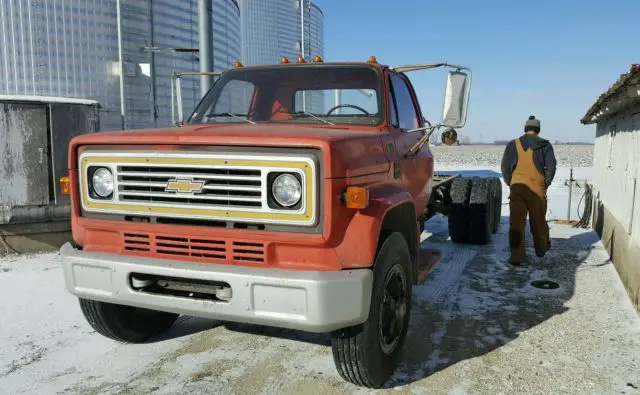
<point x="349" y="94"/>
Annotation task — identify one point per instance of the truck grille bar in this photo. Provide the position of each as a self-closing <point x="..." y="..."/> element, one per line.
<point x="229" y="188"/>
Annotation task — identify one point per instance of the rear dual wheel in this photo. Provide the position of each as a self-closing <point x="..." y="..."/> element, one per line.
<point x="475" y="212"/>
<point x="480" y="211"/>
<point x="367" y="354"/>
<point x="497" y="203"/>
<point x="458" y="217"/>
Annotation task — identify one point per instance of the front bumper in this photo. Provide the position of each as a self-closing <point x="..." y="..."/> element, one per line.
<point x="311" y="301"/>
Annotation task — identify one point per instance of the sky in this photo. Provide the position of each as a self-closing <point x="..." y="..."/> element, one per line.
<point x="547" y="58"/>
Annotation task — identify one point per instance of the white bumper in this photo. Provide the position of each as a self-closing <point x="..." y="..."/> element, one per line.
<point x="309" y="301"/>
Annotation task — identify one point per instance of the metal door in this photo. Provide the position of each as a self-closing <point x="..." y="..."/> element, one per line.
<point x="67" y="122"/>
<point x="24" y="163"/>
<point x="415" y="170"/>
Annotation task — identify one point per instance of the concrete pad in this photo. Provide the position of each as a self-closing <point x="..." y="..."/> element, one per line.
<point x="477" y="327"/>
<point x="32" y="237"/>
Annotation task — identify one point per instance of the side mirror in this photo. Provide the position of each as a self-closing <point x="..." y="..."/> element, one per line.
<point x="449" y="136"/>
<point x="456" y="99"/>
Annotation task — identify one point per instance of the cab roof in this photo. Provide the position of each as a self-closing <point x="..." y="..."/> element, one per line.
<point x="316" y="61"/>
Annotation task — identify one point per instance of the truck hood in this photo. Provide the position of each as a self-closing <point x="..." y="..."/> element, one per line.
<point x="346" y="152"/>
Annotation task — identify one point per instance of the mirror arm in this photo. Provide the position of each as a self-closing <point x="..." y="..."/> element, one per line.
<point x="426" y="66"/>
<point x="425" y="139"/>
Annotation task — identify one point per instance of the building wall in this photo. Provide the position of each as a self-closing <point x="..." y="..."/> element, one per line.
<point x="617" y="190"/>
<point x="616" y="165"/>
<point x="69" y="48"/>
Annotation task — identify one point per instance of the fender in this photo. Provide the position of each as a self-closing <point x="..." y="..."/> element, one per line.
<point x="360" y="244"/>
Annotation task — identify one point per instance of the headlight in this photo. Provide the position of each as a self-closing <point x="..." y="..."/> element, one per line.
<point x="286" y="190"/>
<point x="102" y="182"/>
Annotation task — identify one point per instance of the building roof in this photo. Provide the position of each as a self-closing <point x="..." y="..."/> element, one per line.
<point x="619" y="90"/>
<point x="47" y="99"/>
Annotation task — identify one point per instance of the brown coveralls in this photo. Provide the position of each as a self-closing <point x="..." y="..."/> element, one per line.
<point x="528" y="195"/>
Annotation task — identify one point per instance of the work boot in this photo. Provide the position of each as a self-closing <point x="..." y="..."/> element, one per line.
<point x="516" y="262"/>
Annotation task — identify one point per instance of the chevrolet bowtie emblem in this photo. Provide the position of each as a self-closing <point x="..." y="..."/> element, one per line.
<point x="184" y="186"/>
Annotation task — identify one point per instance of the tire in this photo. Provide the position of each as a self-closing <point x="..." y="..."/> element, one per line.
<point x="497" y="204"/>
<point x="421" y="224"/>
<point x="125" y="323"/>
<point x="458" y="217"/>
<point x="481" y="215"/>
<point x="360" y="352"/>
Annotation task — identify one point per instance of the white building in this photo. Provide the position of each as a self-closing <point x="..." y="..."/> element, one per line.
<point x="616" y="169"/>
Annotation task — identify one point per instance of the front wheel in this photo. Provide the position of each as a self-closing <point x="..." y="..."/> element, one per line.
<point x="367" y="354"/>
<point x="125" y="323"/>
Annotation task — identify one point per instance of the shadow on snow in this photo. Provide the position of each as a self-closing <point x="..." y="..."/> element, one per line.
<point x="474" y="301"/>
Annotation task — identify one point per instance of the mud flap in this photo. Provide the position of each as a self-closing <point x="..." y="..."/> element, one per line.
<point x="428" y="258"/>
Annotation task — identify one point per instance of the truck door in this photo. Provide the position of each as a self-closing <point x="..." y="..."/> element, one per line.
<point x="415" y="170"/>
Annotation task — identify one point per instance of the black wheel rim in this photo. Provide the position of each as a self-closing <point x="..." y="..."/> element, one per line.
<point x="393" y="309"/>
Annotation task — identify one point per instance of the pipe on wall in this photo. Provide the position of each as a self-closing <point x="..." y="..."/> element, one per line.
<point x="205" y="33"/>
<point x="121" y="65"/>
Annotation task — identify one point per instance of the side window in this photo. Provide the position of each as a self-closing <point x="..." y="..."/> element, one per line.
<point x="394" y="109"/>
<point x="407" y="117"/>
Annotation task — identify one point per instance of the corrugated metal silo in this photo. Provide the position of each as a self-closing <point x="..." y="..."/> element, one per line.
<point x="272" y="28"/>
<point x="60" y="65"/>
<point x="69" y="48"/>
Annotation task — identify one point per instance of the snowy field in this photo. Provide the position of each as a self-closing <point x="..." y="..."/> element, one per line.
<point x="465" y="156"/>
<point x="477" y="327"/>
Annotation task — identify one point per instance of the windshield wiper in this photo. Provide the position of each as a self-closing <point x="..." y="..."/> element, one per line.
<point x="316" y="117"/>
<point x="228" y="114"/>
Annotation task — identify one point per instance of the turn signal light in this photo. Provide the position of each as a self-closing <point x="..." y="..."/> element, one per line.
<point x="356" y="197"/>
<point x="65" y="185"/>
<point x="284" y="59"/>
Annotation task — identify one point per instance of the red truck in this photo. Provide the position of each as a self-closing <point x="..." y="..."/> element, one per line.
<point x="294" y="196"/>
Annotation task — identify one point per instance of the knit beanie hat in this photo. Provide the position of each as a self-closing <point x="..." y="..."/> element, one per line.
<point x="532" y="124"/>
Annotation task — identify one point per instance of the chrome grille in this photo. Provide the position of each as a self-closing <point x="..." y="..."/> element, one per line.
<point x="220" y="187"/>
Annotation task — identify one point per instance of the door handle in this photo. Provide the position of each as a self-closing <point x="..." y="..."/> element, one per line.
<point x="41" y="150"/>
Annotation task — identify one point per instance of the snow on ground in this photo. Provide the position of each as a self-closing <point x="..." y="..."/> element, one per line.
<point x="477" y="326"/>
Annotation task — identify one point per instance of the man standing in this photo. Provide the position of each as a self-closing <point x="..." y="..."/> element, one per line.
<point x="528" y="168"/>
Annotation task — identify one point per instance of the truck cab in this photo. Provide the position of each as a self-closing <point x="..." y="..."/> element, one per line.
<point x="293" y="196"/>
